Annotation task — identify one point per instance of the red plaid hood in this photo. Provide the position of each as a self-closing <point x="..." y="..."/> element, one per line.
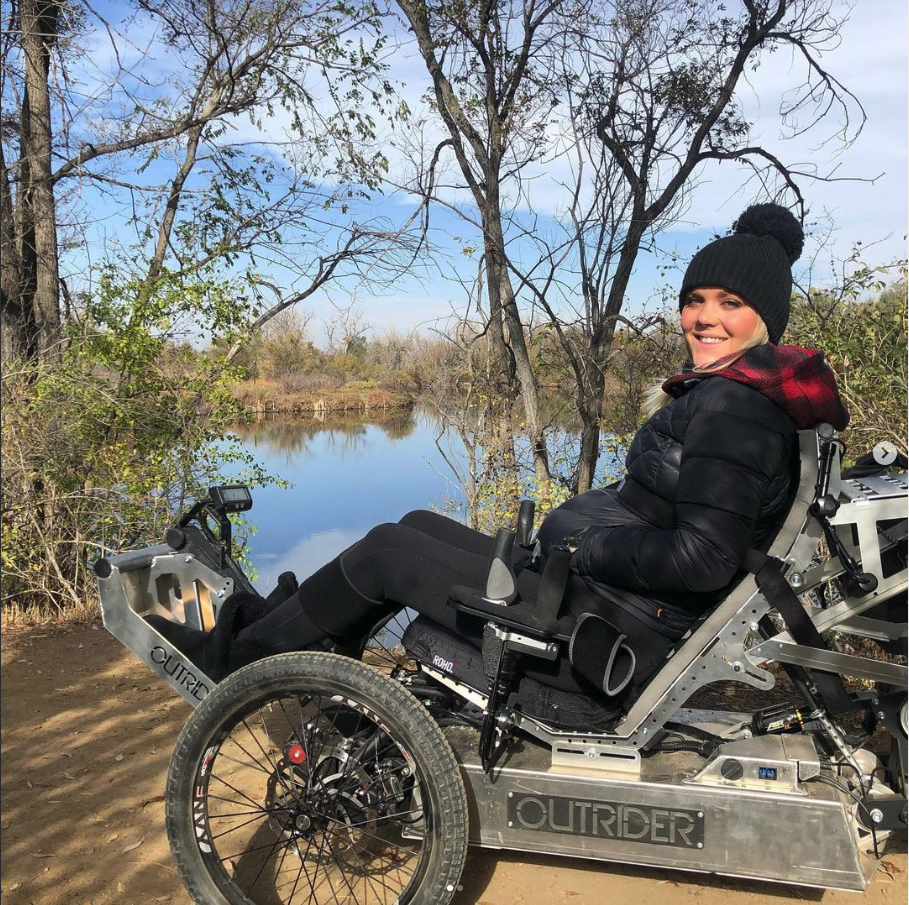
<point x="797" y="379"/>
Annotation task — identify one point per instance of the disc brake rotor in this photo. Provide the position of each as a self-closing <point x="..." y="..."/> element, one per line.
<point x="322" y="810"/>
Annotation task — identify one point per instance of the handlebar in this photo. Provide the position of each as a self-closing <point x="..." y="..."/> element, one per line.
<point x="130" y="561"/>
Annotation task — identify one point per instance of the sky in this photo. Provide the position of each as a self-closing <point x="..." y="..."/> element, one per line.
<point x="871" y="60"/>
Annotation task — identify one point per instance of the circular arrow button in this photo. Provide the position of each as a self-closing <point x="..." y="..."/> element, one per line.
<point x="885" y="453"/>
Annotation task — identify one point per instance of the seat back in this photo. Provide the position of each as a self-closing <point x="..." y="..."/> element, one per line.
<point x="715" y="649"/>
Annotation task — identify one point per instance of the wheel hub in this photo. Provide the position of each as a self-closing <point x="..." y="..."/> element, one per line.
<point x="326" y="796"/>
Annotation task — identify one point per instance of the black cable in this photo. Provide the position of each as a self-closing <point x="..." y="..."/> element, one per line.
<point x="704" y="749"/>
<point x="859" y="801"/>
<point x="684" y="729"/>
<point x="701" y="742"/>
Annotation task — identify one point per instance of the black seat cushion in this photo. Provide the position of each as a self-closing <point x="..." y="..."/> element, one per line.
<point x="455" y="656"/>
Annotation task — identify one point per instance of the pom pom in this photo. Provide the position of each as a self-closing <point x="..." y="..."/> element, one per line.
<point x="773" y="220"/>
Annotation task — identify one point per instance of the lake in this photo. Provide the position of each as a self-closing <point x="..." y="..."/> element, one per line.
<point x="349" y="473"/>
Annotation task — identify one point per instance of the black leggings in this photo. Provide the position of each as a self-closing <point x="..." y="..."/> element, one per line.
<point x="412" y="563"/>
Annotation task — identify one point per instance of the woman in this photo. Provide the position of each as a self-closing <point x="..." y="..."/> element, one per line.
<point x="710" y="475"/>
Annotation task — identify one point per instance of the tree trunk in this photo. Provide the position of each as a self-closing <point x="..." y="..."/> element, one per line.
<point x="590" y="401"/>
<point x="501" y="289"/>
<point x="37" y="214"/>
<point x="13" y="336"/>
<point x="590" y="408"/>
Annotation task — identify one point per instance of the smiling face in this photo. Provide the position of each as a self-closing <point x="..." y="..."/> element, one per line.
<point x="716" y="323"/>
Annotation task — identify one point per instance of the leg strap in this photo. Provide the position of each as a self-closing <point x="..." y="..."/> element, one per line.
<point x="599" y="653"/>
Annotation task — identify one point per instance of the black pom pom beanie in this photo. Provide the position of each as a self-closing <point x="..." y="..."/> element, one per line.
<point x="754" y="263"/>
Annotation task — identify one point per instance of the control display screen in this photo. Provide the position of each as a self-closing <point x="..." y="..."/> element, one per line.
<point x="231" y="497"/>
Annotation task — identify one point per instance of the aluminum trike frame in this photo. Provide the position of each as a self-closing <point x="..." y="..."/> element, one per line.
<point x="804" y="804"/>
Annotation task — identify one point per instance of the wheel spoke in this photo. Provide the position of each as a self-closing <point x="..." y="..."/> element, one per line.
<point x="240" y="763"/>
<point x="385" y="842"/>
<point x="310" y="792"/>
<point x="254" y="803"/>
<point x="385" y="645"/>
<point x="233" y="829"/>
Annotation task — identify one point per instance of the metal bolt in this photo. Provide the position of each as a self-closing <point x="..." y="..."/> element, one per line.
<point x="511" y="794"/>
<point x="881" y="714"/>
<point x="754" y="626"/>
<point x="700" y="845"/>
<point x="510" y="823"/>
<point x="591" y="752"/>
<point x="220" y="594"/>
<point x="700" y="813"/>
<point x="796" y="579"/>
<point x="644" y="731"/>
<point x="876" y="815"/>
<point x="187" y="559"/>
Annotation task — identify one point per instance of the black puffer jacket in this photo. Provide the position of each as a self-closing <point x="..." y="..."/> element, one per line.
<point x="723" y="458"/>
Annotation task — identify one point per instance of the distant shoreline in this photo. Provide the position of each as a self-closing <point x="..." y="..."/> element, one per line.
<point x="266" y="398"/>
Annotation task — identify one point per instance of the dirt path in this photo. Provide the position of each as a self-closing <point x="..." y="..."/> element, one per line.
<point x="87" y="732"/>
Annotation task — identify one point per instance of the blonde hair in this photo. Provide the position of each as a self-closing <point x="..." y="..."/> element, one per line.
<point x="656" y="397"/>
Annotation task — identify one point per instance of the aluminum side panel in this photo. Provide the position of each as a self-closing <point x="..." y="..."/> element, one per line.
<point x="803" y="840"/>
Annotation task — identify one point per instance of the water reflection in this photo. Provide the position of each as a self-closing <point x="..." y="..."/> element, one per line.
<point x="349" y="473"/>
<point x="309" y="553"/>
<point x="346" y="432"/>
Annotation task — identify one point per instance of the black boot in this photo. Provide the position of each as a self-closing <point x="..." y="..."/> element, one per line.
<point x="218" y="653"/>
<point x="286" y="628"/>
<point x="285" y="589"/>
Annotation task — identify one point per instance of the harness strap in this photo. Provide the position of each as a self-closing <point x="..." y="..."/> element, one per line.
<point x="769" y="578"/>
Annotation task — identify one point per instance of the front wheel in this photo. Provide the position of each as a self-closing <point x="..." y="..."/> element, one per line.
<point x="312" y="778"/>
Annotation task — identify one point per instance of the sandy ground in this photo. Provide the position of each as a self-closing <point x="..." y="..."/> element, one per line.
<point x="87" y="733"/>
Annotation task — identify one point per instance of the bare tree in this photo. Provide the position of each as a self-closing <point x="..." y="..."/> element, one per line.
<point x="346" y="329"/>
<point x="493" y="77"/>
<point x="189" y="153"/>
<point x="639" y="94"/>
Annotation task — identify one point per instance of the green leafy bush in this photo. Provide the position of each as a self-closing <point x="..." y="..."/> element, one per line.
<point x="104" y="445"/>
<point x="865" y="342"/>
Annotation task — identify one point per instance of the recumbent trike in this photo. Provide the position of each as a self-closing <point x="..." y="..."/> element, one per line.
<point x="361" y="775"/>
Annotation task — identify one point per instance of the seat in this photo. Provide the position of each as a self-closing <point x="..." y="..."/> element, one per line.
<point x="454" y="655"/>
<point x="716" y="649"/>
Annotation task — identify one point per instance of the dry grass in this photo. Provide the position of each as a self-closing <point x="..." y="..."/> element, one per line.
<point x="267" y="396"/>
<point x="17" y="616"/>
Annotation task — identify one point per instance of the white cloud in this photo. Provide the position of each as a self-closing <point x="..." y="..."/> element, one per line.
<point x="870" y="60"/>
<point x="305" y="557"/>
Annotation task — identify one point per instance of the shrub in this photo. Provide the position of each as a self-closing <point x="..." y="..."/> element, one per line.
<point x="103" y="446"/>
<point x="866" y="344"/>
